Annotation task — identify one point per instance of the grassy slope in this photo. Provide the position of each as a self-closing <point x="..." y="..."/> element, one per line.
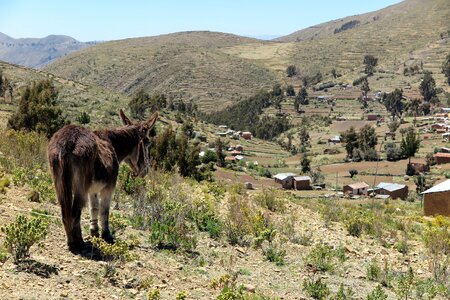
<point x="74" y="97"/>
<point x="186" y="65"/>
<point x="400" y="33"/>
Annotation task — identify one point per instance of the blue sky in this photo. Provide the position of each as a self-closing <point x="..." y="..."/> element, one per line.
<point x="88" y="20"/>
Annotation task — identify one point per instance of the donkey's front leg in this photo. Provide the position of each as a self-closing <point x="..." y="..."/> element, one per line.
<point x="94" y="206"/>
<point x="105" y="201"/>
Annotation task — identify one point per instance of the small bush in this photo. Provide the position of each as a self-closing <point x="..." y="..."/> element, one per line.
<point x="316" y="289"/>
<point x="355" y="226"/>
<point x="377" y="294"/>
<point x="154" y="294"/>
<point x="373" y="270"/>
<point x="269" y="199"/>
<point x="84" y="118"/>
<point x="321" y="258"/>
<point x="343" y="294"/>
<point x="23" y="233"/>
<point x="274" y="254"/>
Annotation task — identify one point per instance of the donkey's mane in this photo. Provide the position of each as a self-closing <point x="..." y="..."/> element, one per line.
<point x="120" y="137"/>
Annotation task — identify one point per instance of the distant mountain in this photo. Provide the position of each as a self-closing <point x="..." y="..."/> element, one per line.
<point x="185" y="65"/>
<point x="37" y="52"/>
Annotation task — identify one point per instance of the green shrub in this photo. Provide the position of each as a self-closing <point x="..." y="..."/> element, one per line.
<point x="237" y="223"/>
<point x="377" y="294"/>
<point x="321" y="258"/>
<point x="4" y="183"/>
<point x="343" y="294"/>
<point x="373" y="270"/>
<point x="270" y="200"/>
<point x="206" y="217"/>
<point x="23" y="233"/>
<point x="316" y="289"/>
<point x="154" y="294"/>
<point x="84" y="118"/>
<point x="274" y="254"/>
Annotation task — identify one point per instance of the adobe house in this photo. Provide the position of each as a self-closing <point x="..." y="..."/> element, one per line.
<point x="372" y="117"/>
<point x="235" y="152"/>
<point x="285" y="179"/>
<point x="302" y="182"/>
<point x="394" y="190"/>
<point x="359" y="188"/>
<point x="239" y="148"/>
<point x="444" y="150"/>
<point x="436" y="200"/>
<point x="335" y="139"/>
<point x="442" y="158"/>
<point x="246" y="135"/>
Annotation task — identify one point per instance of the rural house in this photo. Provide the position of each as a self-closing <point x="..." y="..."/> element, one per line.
<point x="285" y="179"/>
<point x="335" y="139"/>
<point x="394" y="190"/>
<point x="442" y="158"/>
<point x="444" y="150"/>
<point x="246" y="135"/>
<point x="302" y="183"/>
<point x="372" y="117"/>
<point x="359" y="188"/>
<point x="436" y="200"/>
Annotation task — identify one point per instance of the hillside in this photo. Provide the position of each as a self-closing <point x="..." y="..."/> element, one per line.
<point x="37" y="52"/>
<point x="395" y="35"/>
<point x="74" y="97"/>
<point x="186" y="65"/>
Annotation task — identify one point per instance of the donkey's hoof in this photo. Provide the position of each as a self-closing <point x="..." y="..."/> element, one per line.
<point x="94" y="233"/>
<point x="107" y="237"/>
<point x="77" y="247"/>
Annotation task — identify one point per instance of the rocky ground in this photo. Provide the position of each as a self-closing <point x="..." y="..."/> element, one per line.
<point x="54" y="273"/>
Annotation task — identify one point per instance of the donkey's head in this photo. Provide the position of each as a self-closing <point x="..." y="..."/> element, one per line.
<point x="138" y="158"/>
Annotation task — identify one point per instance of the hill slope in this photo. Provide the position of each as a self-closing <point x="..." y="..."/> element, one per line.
<point x="391" y="34"/>
<point x="74" y="97"/>
<point x="37" y="52"/>
<point x="186" y="65"/>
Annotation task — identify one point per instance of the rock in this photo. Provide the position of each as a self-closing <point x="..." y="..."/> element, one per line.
<point x="250" y="288"/>
<point x="33" y="196"/>
<point x="64" y="295"/>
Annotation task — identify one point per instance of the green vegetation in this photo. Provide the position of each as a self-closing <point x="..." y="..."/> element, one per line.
<point x="446" y="68"/>
<point x="370" y="63"/>
<point x="38" y="110"/>
<point x="23" y="233"/>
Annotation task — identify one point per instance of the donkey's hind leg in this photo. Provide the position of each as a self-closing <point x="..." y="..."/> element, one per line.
<point x="105" y="202"/>
<point x="75" y="237"/>
<point x="94" y="207"/>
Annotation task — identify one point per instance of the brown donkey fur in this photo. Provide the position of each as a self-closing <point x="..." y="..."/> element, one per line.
<point x="84" y="166"/>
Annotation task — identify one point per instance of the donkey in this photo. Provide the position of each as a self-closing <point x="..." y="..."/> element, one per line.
<point x="85" y="164"/>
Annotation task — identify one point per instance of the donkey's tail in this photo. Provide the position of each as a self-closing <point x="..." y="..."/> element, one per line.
<point x="62" y="176"/>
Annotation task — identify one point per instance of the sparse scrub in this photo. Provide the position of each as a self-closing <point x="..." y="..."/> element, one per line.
<point x="23" y="233"/>
<point x="377" y="294"/>
<point x="269" y="199"/>
<point x="321" y="258"/>
<point x="316" y="289"/>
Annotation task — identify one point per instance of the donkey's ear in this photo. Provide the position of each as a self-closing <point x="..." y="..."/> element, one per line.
<point x="125" y="119"/>
<point x="151" y="121"/>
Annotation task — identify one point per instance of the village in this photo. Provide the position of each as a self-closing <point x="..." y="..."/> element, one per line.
<point x="242" y="154"/>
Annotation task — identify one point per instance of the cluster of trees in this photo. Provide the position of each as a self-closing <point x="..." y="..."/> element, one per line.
<point x="5" y="86"/>
<point x="38" y="109"/>
<point x="291" y="71"/>
<point x="428" y="88"/>
<point x="143" y="102"/>
<point x="246" y="115"/>
<point x="361" y="146"/>
<point x="310" y="80"/>
<point x="446" y="68"/>
<point x="346" y="26"/>
<point x="370" y="62"/>
<point x="171" y="149"/>
<point x="301" y="99"/>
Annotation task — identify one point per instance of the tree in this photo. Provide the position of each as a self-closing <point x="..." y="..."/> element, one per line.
<point x="276" y="90"/>
<point x="38" y="109"/>
<point x="353" y="172"/>
<point x="393" y="126"/>
<point x="142" y="101"/>
<point x="291" y="71"/>
<point x="365" y="87"/>
<point x="290" y="91"/>
<point x="367" y="138"/>
<point x="302" y="98"/>
<point x="393" y="103"/>
<point x="350" y="138"/>
<point x="305" y="164"/>
<point x="218" y="146"/>
<point x="428" y="87"/>
<point x="334" y="73"/>
<point x="446" y="68"/>
<point x="304" y="137"/>
<point x="414" y="108"/>
<point x="410" y="145"/>
<point x="370" y="62"/>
